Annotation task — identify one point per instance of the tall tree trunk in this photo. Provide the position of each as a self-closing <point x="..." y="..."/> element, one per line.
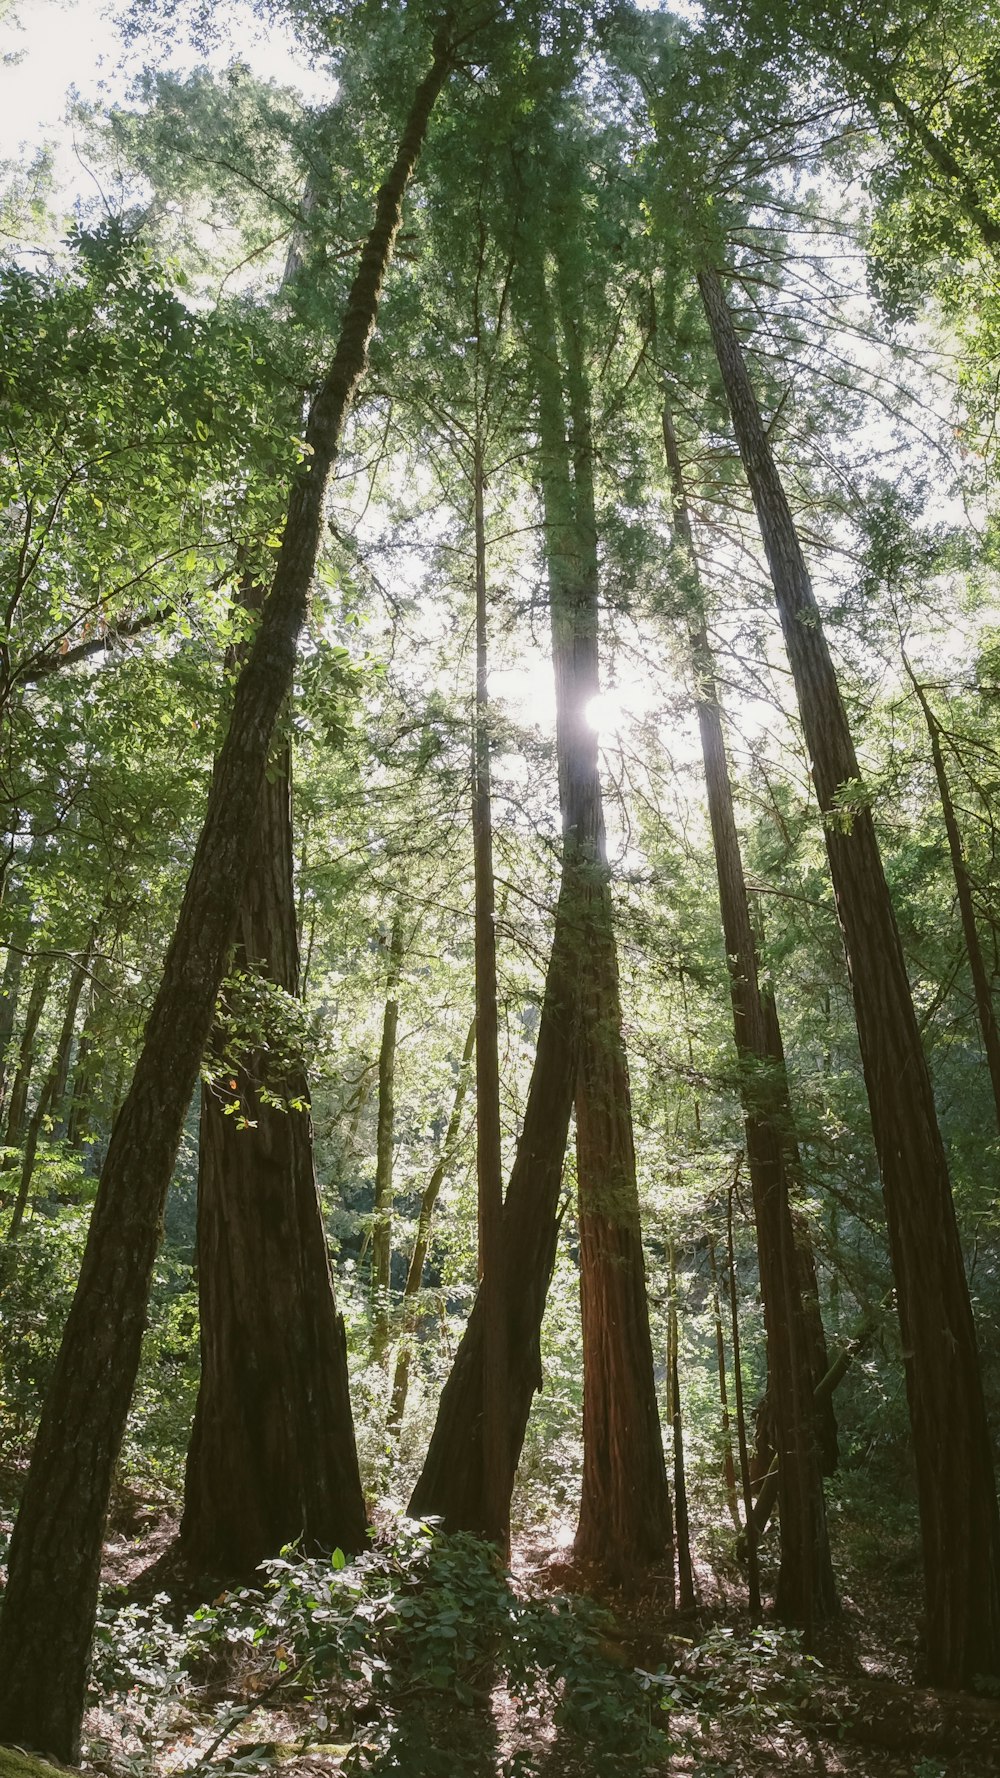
<point x="767" y="1493"/>
<point x="37" y="996"/>
<point x="54" y="1563"/>
<point x="382" y="1209"/>
<point x="956" y="1487"/>
<point x="685" y="1570"/>
<point x="272" y="1456"/>
<point x="452" y="1482"/>
<point x="421" y="1240"/>
<point x="813" y="1332"/>
<point x="753" y="1568"/>
<point x="963" y="890"/>
<point x="625" y="1516"/>
<point x="728" y="1467"/>
<point x="489" y="1162"/>
<point x="805" y="1591"/>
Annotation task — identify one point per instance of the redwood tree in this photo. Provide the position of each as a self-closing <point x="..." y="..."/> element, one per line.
<point x="625" y="1517"/>
<point x="960" y="1525"/>
<point x="54" y="1564"/>
<point x="805" y="1591"/>
<point x="272" y="1456"/>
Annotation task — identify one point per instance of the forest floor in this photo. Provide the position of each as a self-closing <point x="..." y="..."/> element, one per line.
<point x="213" y="1694"/>
<point x="738" y="1704"/>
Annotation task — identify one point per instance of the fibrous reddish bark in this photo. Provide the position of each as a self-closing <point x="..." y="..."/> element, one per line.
<point x="272" y="1456"/>
<point x="625" y="1514"/>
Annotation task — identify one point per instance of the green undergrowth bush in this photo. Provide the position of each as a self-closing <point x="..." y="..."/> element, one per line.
<point x="40" y="1277"/>
<point x="396" y="1659"/>
<point x="37" y="1290"/>
<point x="756" y="1681"/>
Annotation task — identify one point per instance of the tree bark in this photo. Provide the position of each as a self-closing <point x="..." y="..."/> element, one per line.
<point x="54" y="1564"/>
<point x="19" y="926"/>
<point x="728" y="1467"/>
<point x="685" y="1570"/>
<point x="381" y="1261"/>
<point x="272" y="1457"/>
<point x="767" y="1493"/>
<point x="82" y="1092"/>
<point x="956" y="1488"/>
<point x="813" y="1332"/>
<point x="963" y="889"/>
<point x="753" y="1567"/>
<point x="625" y="1514"/>
<point x="805" y="1592"/>
<point x="489" y="1161"/>
<point x="64" y="1043"/>
<point x="452" y="1482"/>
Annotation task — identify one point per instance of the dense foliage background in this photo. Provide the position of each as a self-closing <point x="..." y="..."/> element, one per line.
<point x="159" y="346"/>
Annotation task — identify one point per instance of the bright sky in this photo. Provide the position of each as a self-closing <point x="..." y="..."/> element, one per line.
<point x="67" y="45"/>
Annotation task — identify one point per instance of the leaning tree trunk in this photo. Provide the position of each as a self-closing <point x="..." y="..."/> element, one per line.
<point x="422" y="1238"/>
<point x="385" y="1132"/>
<point x="84" y="1084"/>
<point x="805" y="1591"/>
<point x="54" y="1563"/>
<point x="960" y="1525"/>
<point x="813" y="1332"/>
<point x="452" y="1484"/>
<point x="272" y="1457"/>
<point x="963" y="890"/>
<point x="9" y="991"/>
<point x="625" y="1515"/>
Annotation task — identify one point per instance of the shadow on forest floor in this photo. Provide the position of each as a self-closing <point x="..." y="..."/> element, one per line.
<point x="422" y="1661"/>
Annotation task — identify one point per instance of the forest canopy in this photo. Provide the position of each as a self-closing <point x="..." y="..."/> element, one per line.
<point x="499" y="892"/>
